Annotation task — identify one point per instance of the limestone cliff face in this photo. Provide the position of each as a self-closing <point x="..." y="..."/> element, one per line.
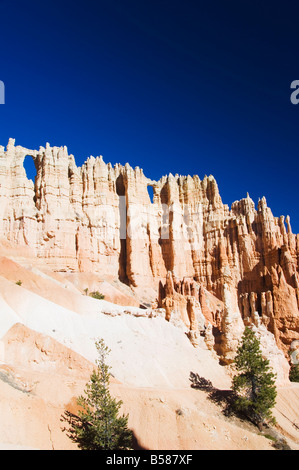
<point x="100" y="218"/>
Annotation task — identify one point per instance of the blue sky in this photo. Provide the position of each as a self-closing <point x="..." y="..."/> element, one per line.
<point x="187" y="87"/>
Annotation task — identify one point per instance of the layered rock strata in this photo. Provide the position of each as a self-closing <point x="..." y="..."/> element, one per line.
<point x="100" y="218"/>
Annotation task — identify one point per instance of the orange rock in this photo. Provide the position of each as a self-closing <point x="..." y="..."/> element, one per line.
<point x="100" y="219"/>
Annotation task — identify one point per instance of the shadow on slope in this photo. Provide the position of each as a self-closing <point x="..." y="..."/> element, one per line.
<point x="223" y="398"/>
<point x="136" y="444"/>
<point x="226" y="399"/>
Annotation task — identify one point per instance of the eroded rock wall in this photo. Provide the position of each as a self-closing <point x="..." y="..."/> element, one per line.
<point x="100" y="218"/>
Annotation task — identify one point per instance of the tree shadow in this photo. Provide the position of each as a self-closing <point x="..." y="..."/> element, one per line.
<point x="223" y="398"/>
<point x="226" y="400"/>
<point x="136" y="444"/>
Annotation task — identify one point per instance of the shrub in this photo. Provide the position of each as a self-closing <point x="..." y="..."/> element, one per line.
<point x="97" y="295"/>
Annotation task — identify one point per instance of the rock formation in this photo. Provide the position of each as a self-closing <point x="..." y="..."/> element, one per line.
<point x="99" y="218"/>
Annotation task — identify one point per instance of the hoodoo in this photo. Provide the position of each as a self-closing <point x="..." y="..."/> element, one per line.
<point x="240" y="264"/>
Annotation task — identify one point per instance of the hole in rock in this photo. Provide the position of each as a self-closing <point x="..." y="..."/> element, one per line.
<point x="150" y="191"/>
<point x="30" y="168"/>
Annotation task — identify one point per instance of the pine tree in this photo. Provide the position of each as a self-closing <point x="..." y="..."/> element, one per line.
<point x="294" y="359"/>
<point x="97" y="425"/>
<point x="255" y="385"/>
<point x="294" y="373"/>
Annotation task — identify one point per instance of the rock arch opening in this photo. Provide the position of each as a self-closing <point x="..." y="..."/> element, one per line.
<point x="150" y="191"/>
<point x="29" y="167"/>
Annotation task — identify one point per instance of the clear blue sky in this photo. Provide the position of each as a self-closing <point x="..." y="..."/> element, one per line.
<point x="188" y="87"/>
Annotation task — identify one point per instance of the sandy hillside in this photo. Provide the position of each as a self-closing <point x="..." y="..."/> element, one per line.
<point x="48" y="327"/>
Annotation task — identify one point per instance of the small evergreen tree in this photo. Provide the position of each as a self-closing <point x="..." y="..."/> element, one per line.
<point x="294" y="359"/>
<point x="294" y="373"/>
<point x="97" y="425"/>
<point x="255" y="385"/>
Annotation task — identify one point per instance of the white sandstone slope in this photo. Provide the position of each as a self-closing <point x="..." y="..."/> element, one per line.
<point x="145" y="351"/>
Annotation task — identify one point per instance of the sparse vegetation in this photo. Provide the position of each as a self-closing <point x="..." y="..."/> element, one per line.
<point x="19" y="283"/>
<point x="254" y="386"/>
<point x="97" y="295"/>
<point x="281" y="444"/>
<point x="97" y="425"/>
<point x="278" y="442"/>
